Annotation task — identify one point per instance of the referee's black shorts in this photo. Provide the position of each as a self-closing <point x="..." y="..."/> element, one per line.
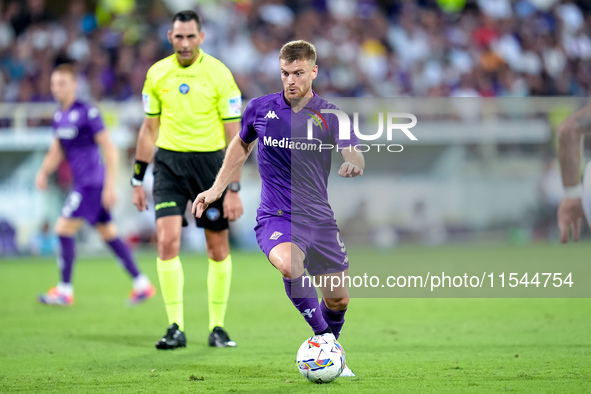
<point x="179" y="177"/>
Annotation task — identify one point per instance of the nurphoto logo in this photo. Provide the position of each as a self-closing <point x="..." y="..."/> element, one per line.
<point x="345" y="129"/>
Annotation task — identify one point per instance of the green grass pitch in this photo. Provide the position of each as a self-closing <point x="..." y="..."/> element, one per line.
<point x="393" y="345"/>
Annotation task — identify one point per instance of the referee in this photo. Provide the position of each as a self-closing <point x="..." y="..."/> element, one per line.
<point x="193" y="109"/>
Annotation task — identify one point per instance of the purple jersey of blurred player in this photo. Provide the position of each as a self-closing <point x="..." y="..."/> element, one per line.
<point x="75" y="129"/>
<point x="294" y="170"/>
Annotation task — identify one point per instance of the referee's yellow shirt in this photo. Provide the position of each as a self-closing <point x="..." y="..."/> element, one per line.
<point x="193" y="103"/>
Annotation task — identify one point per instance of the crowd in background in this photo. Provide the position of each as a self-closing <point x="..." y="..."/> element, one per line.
<point x="365" y="47"/>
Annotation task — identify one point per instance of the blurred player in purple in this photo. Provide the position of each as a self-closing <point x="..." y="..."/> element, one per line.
<point x="78" y="134"/>
<point x="296" y="228"/>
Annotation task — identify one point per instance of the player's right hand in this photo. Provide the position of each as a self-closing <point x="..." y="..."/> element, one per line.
<point x="570" y="213"/>
<point x="349" y="170"/>
<point x="203" y="200"/>
<point x="41" y="181"/>
<point x="139" y="198"/>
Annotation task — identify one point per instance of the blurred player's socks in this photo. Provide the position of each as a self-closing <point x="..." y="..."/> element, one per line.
<point x="305" y="300"/>
<point x="67" y="256"/>
<point x="141" y="282"/>
<point x="124" y="254"/>
<point x="335" y="319"/>
<point x="65" y="289"/>
<point x="170" y="273"/>
<point x="218" y="288"/>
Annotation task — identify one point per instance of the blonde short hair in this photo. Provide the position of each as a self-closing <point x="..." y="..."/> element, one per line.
<point x="298" y="50"/>
<point x="66" y="68"/>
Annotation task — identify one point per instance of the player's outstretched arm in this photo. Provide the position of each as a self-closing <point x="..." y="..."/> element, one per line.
<point x="232" y="203"/>
<point x="146" y="141"/>
<point x="237" y="153"/>
<point x="109" y="195"/>
<point x="354" y="163"/>
<point x="52" y="159"/>
<point x="570" y="210"/>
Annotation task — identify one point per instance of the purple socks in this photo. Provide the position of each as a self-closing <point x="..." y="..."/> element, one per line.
<point x="124" y="254"/>
<point x="335" y="319"/>
<point x="308" y="304"/>
<point x="66" y="262"/>
<point x="68" y="254"/>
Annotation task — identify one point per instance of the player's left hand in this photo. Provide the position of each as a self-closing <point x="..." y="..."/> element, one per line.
<point x="232" y="206"/>
<point x="570" y="213"/>
<point x="108" y="198"/>
<point x="349" y="170"/>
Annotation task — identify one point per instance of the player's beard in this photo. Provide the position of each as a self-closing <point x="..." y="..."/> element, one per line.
<point x="292" y="94"/>
<point x="298" y="91"/>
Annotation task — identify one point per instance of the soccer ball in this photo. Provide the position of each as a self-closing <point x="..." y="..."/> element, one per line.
<point x="321" y="359"/>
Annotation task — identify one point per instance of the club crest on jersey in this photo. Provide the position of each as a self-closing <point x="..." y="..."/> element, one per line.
<point x="73" y="116"/>
<point x="212" y="214"/>
<point x="184" y="88"/>
<point x="316" y="117"/>
<point x="275" y="235"/>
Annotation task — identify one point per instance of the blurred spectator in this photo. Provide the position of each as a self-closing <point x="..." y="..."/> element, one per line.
<point x="365" y="47"/>
<point x="6" y="29"/>
<point x="425" y="226"/>
<point x="45" y="242"/>
<point x="31" y="12"/>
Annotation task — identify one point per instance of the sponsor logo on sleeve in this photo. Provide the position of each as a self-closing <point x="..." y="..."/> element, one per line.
<point x="235" y="106"/>
<point x="146" y="102"/>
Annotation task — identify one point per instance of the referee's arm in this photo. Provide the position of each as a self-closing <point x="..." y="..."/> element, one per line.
<point x="146" y="140"/>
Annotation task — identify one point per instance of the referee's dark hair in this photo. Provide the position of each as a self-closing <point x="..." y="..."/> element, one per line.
<point x="187" y="16"/>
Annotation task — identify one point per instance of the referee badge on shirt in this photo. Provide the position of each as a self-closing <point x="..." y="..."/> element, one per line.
<point x="212" y="214"/>
<point x="184" y="88"/>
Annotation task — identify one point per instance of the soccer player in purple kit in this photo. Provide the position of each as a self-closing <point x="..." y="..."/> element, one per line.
<point x="296" y="228"/>
<point x="78" y="134"/>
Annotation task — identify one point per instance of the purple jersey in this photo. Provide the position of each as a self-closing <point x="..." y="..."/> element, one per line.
<point x="294" y="169"/>
<point x="75" y="129"/>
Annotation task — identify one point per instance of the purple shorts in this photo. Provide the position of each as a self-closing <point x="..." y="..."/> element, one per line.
<point x="85" y="202"/>
<point x="325" y="250"/>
